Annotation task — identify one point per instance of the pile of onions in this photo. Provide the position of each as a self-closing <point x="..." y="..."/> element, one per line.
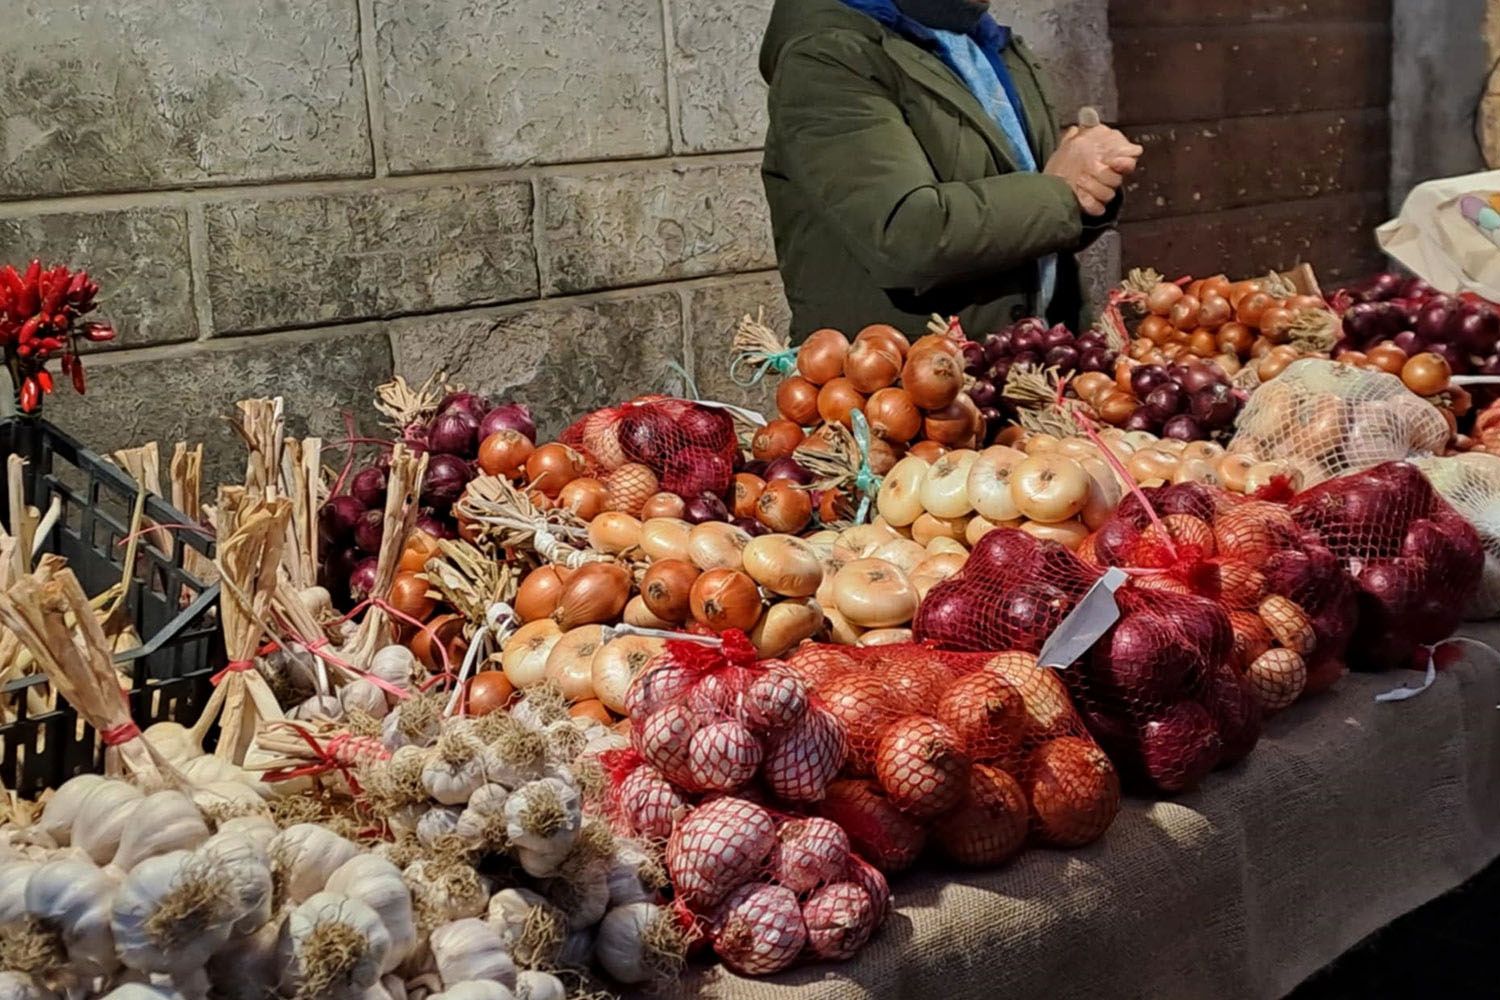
<point x="1029" y="343"/>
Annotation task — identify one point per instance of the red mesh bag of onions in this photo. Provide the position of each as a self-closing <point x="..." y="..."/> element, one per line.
<point x="974" y="753"/>
<point x="659" y="444"/>
<point x="1290" y="604"/>
<point x="1415" y="561"/>
<point x="1158" y="689"/>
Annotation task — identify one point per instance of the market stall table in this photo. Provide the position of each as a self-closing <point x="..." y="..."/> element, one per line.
<point x="1347" y="815"/>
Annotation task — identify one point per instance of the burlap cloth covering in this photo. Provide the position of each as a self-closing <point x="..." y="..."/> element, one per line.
<point x="1347" y="815"/>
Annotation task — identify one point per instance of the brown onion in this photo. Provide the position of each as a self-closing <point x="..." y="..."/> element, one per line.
<point x="665" y="538"/>
<point x="928" y="451"/>
<point x="955" y="424"/>
<point x="504" y="453"/>
<point x="888" y="335"/>
<point x="717" y="545"/>
<point x="777" y="439"/>
<point x="585" y="496"/>
<point x="409" y="596"/>
<point x="614" y="532"/>
<point x="872" y="365"/>
<point x="570" y="665"/>
<point x="636" y="613"/>
<point x="726" y="598"/>
<point x="884" y="455"/>
<point x="596" y="592"/>
<point x="820" y="359"/>
<point x="537" y="596"/>
<point x="837" y="400"/>
<point x="666" y="589"/>
<point x="553" y="466"/>
<point x="797" y="401"/>
<point x="747" y="489"/>
<point x="940" y="342"/>
<point x="629" y="487"/>
<point x="892" y="415"/>
<point x="663" y="505"/>
<point x="934" y="378"/>
<point x="524" y="655"/>
<point x="784" y="507"/>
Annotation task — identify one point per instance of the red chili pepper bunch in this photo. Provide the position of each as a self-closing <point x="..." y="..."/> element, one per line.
<point x="39" y="320"/>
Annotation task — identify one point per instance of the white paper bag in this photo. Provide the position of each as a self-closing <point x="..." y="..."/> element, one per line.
<point x="1448" y="233"/>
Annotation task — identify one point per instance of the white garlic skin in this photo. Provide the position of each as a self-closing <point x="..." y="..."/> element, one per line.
<point x="307" y="854"/>
<point x="619" y="948"/>
<point x="248" y="866"/>
<point x="163" y="822"/>
<point x="74" y="897"/>
<point x="475" y="990"/>
<point x="437" y="823"/>
<point x="259" y="830"/>
<point x="533" y="985"/>
<point x="139" y="899"/>
<point x="15" y="986"/>
<point x="62" y="808"/>
<point x="377" y="883"/>
<point x="102" y="818"/>
<point x="328" y="907"/>
<point x="469" y="949"/>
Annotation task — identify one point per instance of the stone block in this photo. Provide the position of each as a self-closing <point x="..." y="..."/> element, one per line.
<point x="606" y="229"/>
<point x="721" y="99"/>
<point x="521" y="81"/>
<point x="562" y="359"/>
<point x="139" y="256"/>
<point x="714" y="313"/>
<point x="133" y="94"/>
<point x="294" y="261"/>
<point x="1071" y="41"/>
<point x="1098" y="271"/>
<point x="181" y="395"/>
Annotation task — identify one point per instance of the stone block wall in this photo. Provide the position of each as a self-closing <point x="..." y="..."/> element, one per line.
<point x="552" y="203"/>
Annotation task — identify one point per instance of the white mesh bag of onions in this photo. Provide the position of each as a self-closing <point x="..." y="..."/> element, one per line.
<point x="1471" y="483"/>
<point x="1326" y="419"/>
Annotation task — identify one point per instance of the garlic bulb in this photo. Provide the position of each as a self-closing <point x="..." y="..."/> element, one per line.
<point x="247" y="969"/>
<point x="362" y="696"/>
<point x="482" y="823"/>
<point x="565" y="741"/>
<point x="259" y="830"/>
<point x="396" y="665"/>
<point x="173" y="741"/>
<point x="72" y="898"/>
<point x="470" y="949"/>
<point x="319" y="706"/>
<point x="13" y="876"/>
<point x="458" y="767"/>
<point x="640" y="943"/>
<point x="414" y="722"/>
<point x="331" y="947"/>
<point x="161" y="822"/>
<point x="436" y="824"/>
<point x="377" y="883"/>
<point x="577" y="948"/>
<point x="534" y="985"/>
<point x="173" y="911"/>
<point x="102" y="817"/>
<point x="532" y="928"/>
<point x="224" y="800"/>
<point x="582" y="893"/>
<point x="141" y="991"/>
<point x="634" y="874"/>
<point x="446" y="889"/>
<point x="207" y="769"/>
<point x="15" y="986"/>
<point x="543" y="818"/>
<point x="248" y="868"/>
<point x="57" y="816"/>
<point x="475" y="991"/>
<point x="303" y="856"/>
<point x="395" y="987"/>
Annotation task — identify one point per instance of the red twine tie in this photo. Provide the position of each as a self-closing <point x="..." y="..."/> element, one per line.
<point x="123" y="733"/>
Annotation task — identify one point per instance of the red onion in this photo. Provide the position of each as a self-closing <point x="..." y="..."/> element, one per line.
<point x="509" y="416"/>
<point x="337" y="518"/>
<point x="454" y="432"/>
<point x="1006" y="549"/>
<point x="434" y="526"/>
<point x="1141" y="661"/>
<point x="645" y="433"/>
<point x="362" y="579"/>
<point x="705" y="507"/>
<point x="447" y="475"/>
<point x="368" y="531"/>
<point x="1410" y="342"/>
<point x="974" y="359"/>
<point x="1115" y="542"/>
<point x="750" y="526"/>
<point x="788" y="468"/>
<point x="1096" y="359"/>
<point x="1213" y="406"/>
<point x="708" y="427"/>
<point x="1183" y="428"/>
<point x="1193" y="499"/>
<point x="414" y="436"/>
<point x="368" y="487"/>
<point x="1057" y="336"/>
<point x="1205" y="629"/>
<point x="1395" y="585"/>
<point x="1026" y="339"/>
<point x="697" y="470"/>
<point x="1478" y="330"/>
<point x="984" y="393"/>
<point x="1164" y="402"/>
<point x="1141" y="420"/>
<point x="1433" y="319"/>
<point x="1180" y="746"/>
<point x="1199" y="377"/>
<point x="1234" y="709"/>
<point x="1144" y="378"/>
<point x="1064" y="356"/>
<point x="1290" y="573"/>
<point x="1028" y="615"/>
<point x="468" y="402"/>
<point x="997" y="348"/>
<point x="947" y="616"/>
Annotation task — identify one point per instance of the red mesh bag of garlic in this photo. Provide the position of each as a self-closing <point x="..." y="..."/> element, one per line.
<point x="1290" y="604"/>
<point x="976" y="753"/>
<point x="716" y="738"/>
<point x="1416" y="562"/>
<point x="656" y="444"/>
<point x="1158" y="688"/>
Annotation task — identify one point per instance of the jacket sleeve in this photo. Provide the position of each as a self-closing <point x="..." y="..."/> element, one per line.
<point x="848" y="148"/>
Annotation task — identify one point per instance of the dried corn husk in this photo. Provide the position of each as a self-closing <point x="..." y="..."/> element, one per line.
<point x="506" y="518"/>
<point x="186" y="474"/>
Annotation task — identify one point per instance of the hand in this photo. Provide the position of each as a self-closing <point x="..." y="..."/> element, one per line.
<point x="1094" y="162"/>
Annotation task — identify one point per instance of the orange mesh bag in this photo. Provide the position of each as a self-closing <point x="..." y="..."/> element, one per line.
<point x="974" y="753"/>
<point x="1415" y="561"/>
<point x="1158" y="689"/>
<point x="1290" y="603"/>
<point x="1326" y="419"/>
<point x="658" y="444"/>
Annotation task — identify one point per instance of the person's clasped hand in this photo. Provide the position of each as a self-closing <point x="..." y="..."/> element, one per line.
<point x="1094" y="162"/>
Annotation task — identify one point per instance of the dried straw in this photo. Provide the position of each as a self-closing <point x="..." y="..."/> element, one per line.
<point x="252" y="530"/>
<point x="302" y="482"/>
<point x="50" y="613"/>
<point x="186" y="474"/>
<point x="470" y="581"/>
<point x="506" y="518"/>
<point x="403" y="484"/>
<point x="260" y="425"/>
<point x="402" y="405"/>
<point x="831" y="455"/>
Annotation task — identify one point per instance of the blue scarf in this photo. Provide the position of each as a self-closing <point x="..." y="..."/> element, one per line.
<point x="992" y="39"/>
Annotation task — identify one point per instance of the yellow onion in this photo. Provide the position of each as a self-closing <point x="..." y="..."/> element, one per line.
<point x="934" y="570"/>
<point x="665" y="538"/>
<point x="717" y="545"/>
<point x="570" y="665"/>
<point x="636" y="613"/>
<point x="1104" y="492"/>
<point x="945" y="491"/>
<point x="927" y="527"/>
<point x="840" y="629"/>
<point x="900" y="499"/>
<point x="616" y="665"/>
<point x="784" y="565"/>
<point x="872" y="593"/>
<point x="903" y="553"/>
<point x="726" y="598"/>
<point x="989" y="483"/>
<point x="596" y="592"/>
<point x="785" y="624"/>
<point x="862" y="539"/>
<point x="943" y="545"/>
<point x="614" y="533"/>
<point x="1069" y="534"/>
<point x="885" y="637"/>
<point x="666" y="589"/>
<point x="524" y="655"/>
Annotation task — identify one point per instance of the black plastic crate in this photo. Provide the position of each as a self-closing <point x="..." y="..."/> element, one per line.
<point x="175" y="614"/>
